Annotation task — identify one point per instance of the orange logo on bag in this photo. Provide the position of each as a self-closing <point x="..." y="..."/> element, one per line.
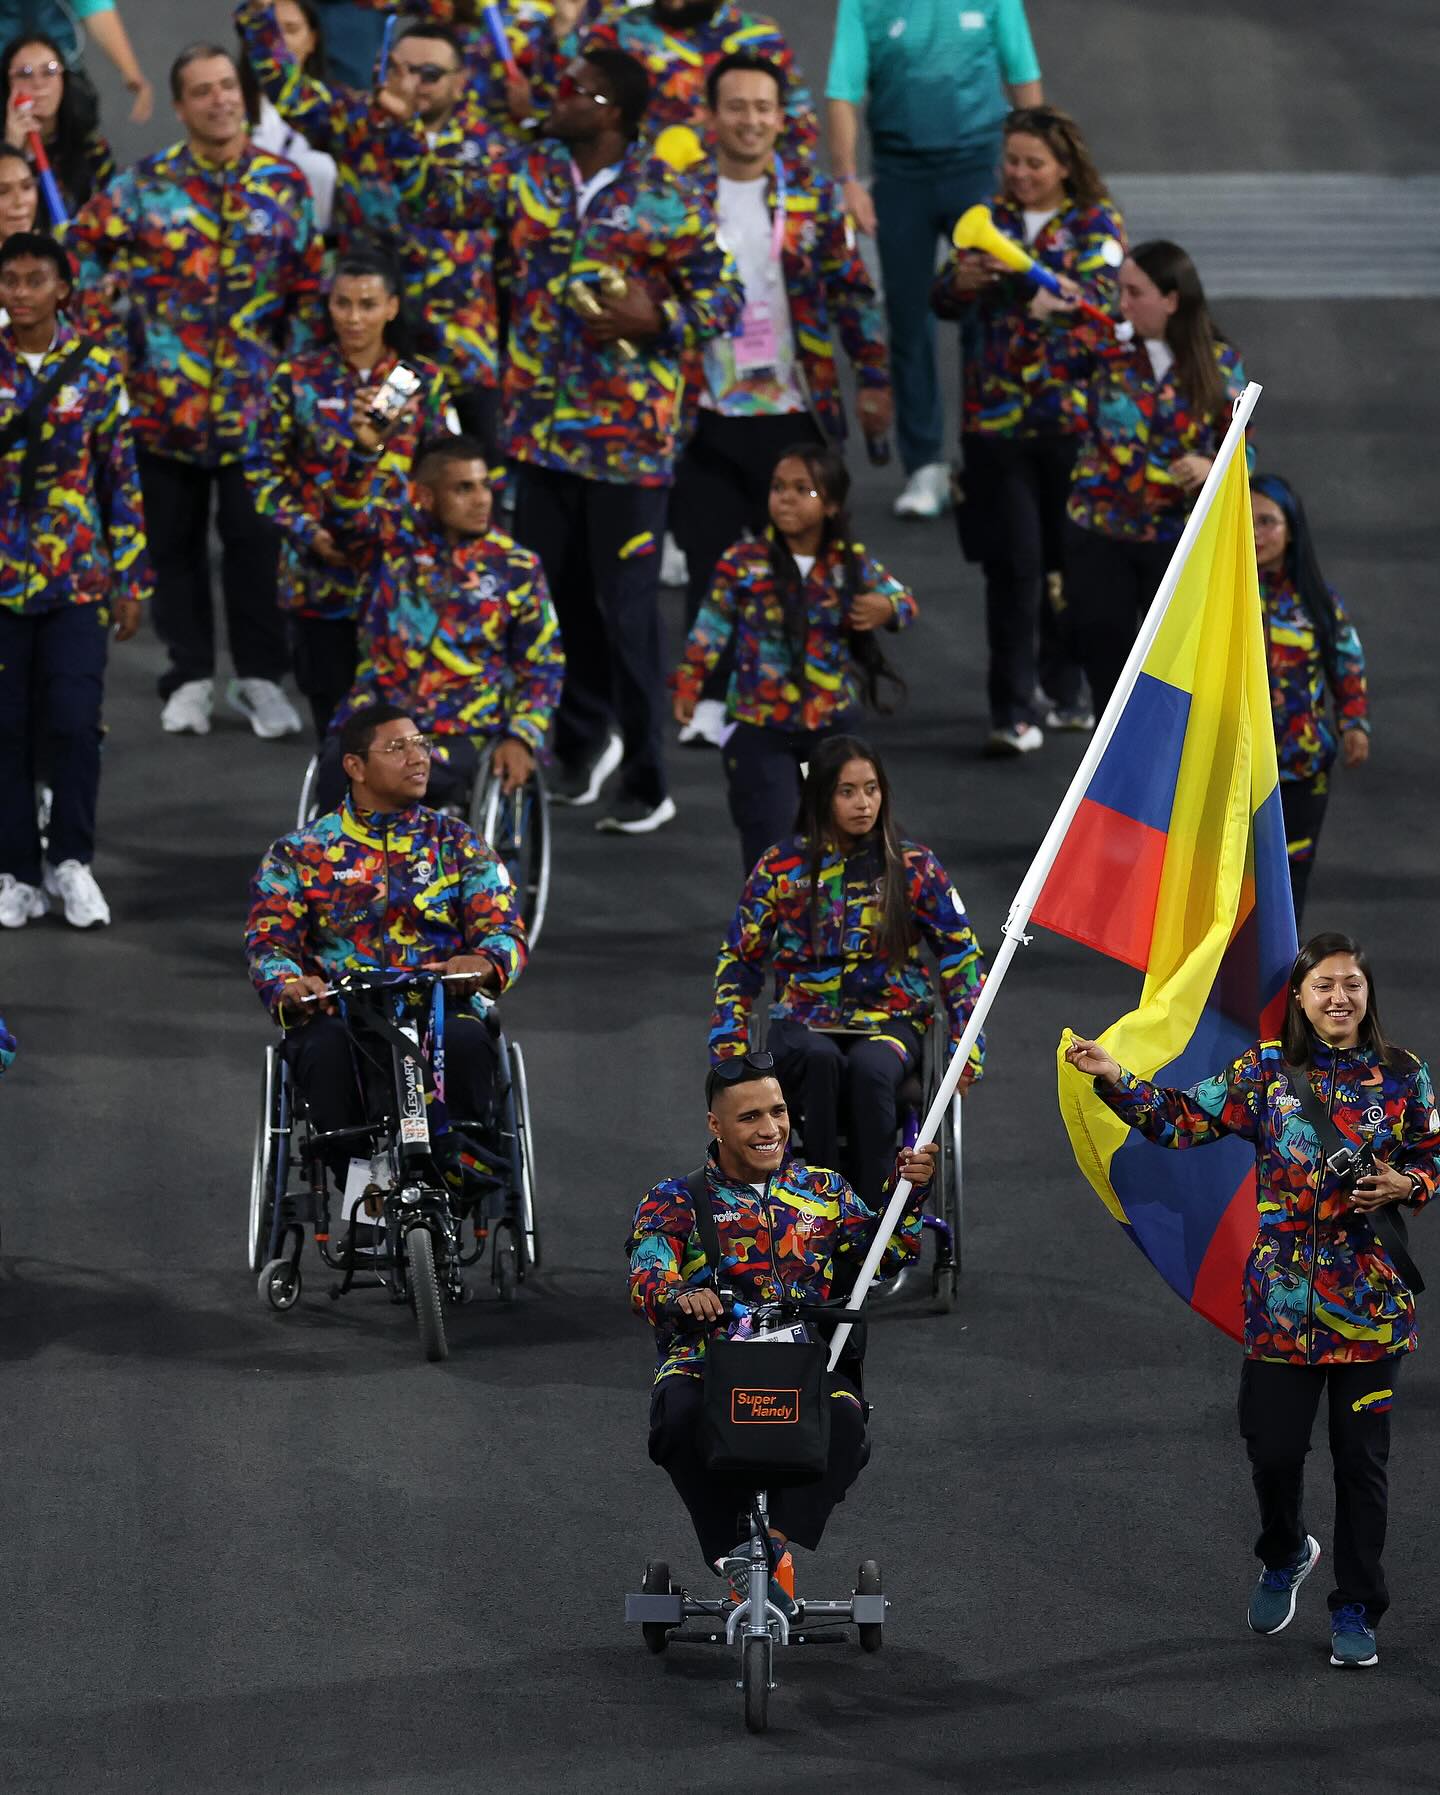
<point x="765" y="1408"/>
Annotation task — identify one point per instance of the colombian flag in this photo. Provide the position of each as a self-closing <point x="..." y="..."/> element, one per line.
<point x="1174" y="862"/>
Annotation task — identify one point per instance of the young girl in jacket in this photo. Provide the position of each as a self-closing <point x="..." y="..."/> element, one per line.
<point x="841" y="910"/>
<point x="1315" y="659"/>
<point x="1327" y="1307"/>
<point x="1158" y="408"/>
<point x="803" y="605"/>
<point x="1025" y="388"/>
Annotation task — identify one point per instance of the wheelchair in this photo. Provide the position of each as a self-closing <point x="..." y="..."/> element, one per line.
<point x="753" y="1625"/>
<point x="944" y="1216"/>
<point x="516" y="827"/>
<point x="406" y="1232"/>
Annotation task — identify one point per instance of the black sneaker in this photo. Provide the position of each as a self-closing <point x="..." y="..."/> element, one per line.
<point x="581" y="785"/>
<point x="636" y="816"/>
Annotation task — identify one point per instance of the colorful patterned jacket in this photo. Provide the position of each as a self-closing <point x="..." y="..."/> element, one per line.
<point x="529" y="30"/>
<point x="677" y="62"/>
<point x="1029" y="376"/>
<point x="1305" y="738"/>
<point x="844" y="980"/>
<point x="464" y="635"/>
<point x="1319" y="1288"/>
<point x="1121" y="484"/>
<point x="572" y="403"/>
<point x="218" y="272"/>
<point x="389" y="187"/>
<point x="808" y="1227"/>
<point x="301" y="473"/>
<point x="82" y="540"/>
<point x="745" y="605"/>
<point x="829" y="291"/>
<point x="378" y="891"/>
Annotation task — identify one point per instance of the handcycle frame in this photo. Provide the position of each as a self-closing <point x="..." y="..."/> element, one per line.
<point x="409" y="1198"/>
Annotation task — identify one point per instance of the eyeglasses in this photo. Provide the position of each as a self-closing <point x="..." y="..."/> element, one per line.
<point x="568" y="88"/>
<point x="732" y="1071"/>
<point x="426" y="73"/>
<point x="405" y="745"/>
<point x="29" y="71"/>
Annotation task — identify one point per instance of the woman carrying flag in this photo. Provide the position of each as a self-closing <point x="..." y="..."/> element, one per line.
<point x="1344" y="1127"/>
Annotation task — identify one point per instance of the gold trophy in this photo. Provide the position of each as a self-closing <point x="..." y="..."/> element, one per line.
<point x="611" y="282"/>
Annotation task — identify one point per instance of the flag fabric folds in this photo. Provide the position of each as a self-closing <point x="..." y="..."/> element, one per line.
<point x="1174" y="863"/>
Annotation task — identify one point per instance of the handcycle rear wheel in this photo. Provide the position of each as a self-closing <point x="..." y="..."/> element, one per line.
<point x="657" y="1583"/>
<point x="755" y="1678"/>
<point x="425" y="1293"/>
<point x="867" y="1583"/>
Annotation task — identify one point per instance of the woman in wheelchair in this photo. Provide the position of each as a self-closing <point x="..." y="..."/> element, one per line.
<point x="785" y="1230"/>
<point x="458" y="628"/>
<point x="842" y="908"/>
<point x="382" y="883"/>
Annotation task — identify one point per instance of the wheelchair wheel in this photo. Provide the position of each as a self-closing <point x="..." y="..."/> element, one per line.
<point x="657" y="1583"/>
<point x="525" y="1154"/>
<point x="279" y="1284"/>
<point x="872" y="1633"/>
<point x="425" y="1293"/>
<point x="269" y="1164"/>
<point x="306" y="809"/>
<point x="518" y="829"/>
<point x="506" y="1269"/>
<point x="755" y="1680"/>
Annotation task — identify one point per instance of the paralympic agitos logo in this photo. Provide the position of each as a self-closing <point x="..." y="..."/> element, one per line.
<point x="765" y="1408"/>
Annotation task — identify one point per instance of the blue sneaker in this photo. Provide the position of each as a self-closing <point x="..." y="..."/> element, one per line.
<point x="1352" y="1638"/>
<point x="1272" y="1601"/>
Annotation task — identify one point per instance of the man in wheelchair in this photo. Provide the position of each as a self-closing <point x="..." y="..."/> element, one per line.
<point x="381" y="883"/>
<point x="784" y="1230"/>
<point x="458" y="626"/>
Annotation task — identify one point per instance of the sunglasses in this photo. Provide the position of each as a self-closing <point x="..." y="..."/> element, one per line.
<point x="27" y="71"/>
<point x="426" y="73"/>
<point x="568" y="88"/>
<point x="732" y="1071"/>
<point x="405" y="745"/>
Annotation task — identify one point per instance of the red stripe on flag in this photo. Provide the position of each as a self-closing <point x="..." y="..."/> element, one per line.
<point x="1219" y="1293"/>
<point x="1104" y="883"/>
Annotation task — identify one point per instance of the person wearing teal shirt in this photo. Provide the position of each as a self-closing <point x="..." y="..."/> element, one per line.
<point x="933" y="77"/>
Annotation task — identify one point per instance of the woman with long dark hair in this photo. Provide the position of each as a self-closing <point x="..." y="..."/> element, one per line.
<point x="1315" y="660"/>
<point x="1024" y="413"/>
<point x="803" y="606"/>
<point x="19" y="192"/>
<point x="841" y="909"/>
<point x="39" y="92"/>
<point x="299" y="23"/>
<point x="1158" y="408"/>
<point x="1345" y="1129"/>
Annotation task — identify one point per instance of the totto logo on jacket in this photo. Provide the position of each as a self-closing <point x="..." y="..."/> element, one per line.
<point x="1299" y="679"/>
<point x="577" y="405"/>
<point x="772" y="685"/>
<point x="792" y="1241"/>
<point x="217" y="270"/>
<point x="81" y="540"/>
<point x="677" y="63"/>
<point x="1319" y="1288"/>
<point x="1024" y="375"/>
<point x="301" y="473"/>
<point x="464" y="636"/>
<point x="839" y="977"/>
<point x="378" y="891"/>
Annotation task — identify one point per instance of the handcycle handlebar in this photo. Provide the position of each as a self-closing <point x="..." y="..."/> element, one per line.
<point x="787" y="1308"/>
<point x="395" y="979"/>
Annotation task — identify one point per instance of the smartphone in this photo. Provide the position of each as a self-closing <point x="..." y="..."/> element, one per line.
<point x="400" y="387"/>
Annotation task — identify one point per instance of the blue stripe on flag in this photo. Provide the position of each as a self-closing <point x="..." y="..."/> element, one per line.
<point x="1137" y="773"/>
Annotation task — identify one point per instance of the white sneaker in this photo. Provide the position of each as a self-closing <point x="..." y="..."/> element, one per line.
<point x="707" y="727"/>
<point x="927" y="492"/>
<point x="1019" y="738"/>
<point x="270" y="712"/>
<point x="674" y="568"/>
<point x="187" y="709"/>
<point x="74" y="884"/>
<point x="19" y="903"/>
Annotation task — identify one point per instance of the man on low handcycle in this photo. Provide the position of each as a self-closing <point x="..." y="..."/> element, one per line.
<point x="458" y="626"/>
<point x="381" y="883"/>
<point x="785" y="1230"/>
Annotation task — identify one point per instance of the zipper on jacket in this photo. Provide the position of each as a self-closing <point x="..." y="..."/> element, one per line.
<point x="1315" y="1216"/>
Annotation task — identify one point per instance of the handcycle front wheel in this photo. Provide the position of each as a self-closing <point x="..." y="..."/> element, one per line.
<point x="425" y="1293"/>
<point x="755" y="1680"/>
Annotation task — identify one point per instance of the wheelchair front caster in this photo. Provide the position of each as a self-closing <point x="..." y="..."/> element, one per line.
<point x="507" y="1269"/>
<point x="944" y="1285"/>
<point x="279" y="1284"/>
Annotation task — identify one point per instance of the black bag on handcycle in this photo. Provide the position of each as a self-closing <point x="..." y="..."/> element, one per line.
<point x="766" y="1406"/>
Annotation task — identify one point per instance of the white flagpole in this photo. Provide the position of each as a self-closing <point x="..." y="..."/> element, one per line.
<point x="1033" y="882"/>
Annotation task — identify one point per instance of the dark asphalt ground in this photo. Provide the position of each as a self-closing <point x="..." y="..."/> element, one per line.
<point x="250" y="1552"/>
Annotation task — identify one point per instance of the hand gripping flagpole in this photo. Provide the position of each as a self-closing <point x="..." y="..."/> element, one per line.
<point x="1034" y="881"/>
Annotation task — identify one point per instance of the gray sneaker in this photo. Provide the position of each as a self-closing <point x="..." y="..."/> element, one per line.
<point x="1272" y="1601"/>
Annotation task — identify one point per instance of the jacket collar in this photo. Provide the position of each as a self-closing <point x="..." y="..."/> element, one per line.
<point x="373" y="827"/>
